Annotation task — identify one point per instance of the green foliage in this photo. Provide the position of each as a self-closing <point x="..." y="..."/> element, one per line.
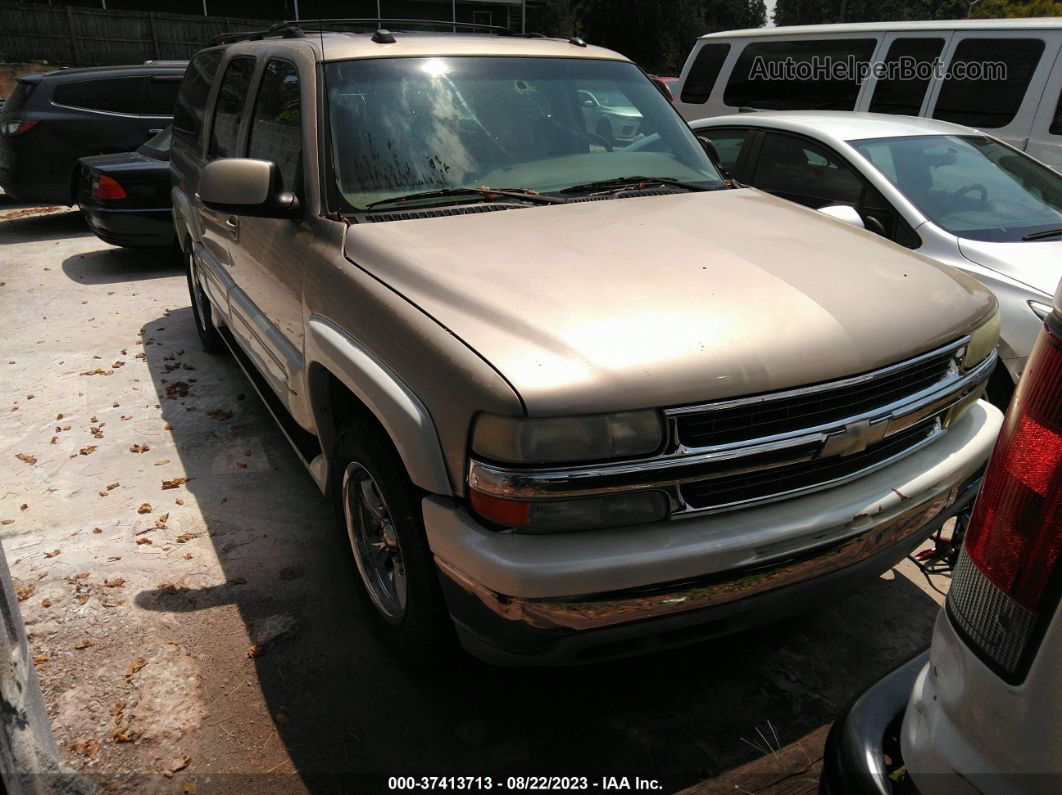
<point x="995" y="9"/>
<point x="811" y="12"/>
<point x="657" y="35"/>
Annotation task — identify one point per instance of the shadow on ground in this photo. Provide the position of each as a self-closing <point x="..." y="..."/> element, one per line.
<point x="352" y="718"/>
<point x="117" y="265"/>
<point x="60" y="225"/>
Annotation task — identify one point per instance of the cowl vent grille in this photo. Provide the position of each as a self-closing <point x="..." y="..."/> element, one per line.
<point x="442" y="212"/>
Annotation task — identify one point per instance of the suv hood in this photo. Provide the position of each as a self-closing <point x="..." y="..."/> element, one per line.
<point x="668" y="300"/>
<point x="1037" y="263"/>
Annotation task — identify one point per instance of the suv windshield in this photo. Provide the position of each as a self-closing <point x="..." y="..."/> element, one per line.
<point x="411" y="125"/>
<point x="970" y="185"/>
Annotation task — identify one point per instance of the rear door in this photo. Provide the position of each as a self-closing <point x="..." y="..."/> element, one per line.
<point x="908" y="73"/>
<point x="1045" y="139"/>
<point x="220" y="230"/>
<point x="994" y="81"/>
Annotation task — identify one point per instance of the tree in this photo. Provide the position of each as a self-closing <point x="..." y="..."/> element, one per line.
<point x="995" y="9"/>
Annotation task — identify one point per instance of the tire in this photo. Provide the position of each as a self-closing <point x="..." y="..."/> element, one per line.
<point x="370" y="488"/>
<point x="202" y="313"/>
<point x="1000" y="388"/>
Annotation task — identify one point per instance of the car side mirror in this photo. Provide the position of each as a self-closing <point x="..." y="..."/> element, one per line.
<point x="242" y="186"/>
<point x="842" y="212"/>
<point x="710" y="149"/>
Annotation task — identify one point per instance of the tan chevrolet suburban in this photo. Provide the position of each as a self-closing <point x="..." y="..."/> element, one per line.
<point x="572" y="396"/>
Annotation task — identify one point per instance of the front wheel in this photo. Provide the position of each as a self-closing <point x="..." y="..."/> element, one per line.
<point x="378" y="508"/>
<point x="201" y="310"/>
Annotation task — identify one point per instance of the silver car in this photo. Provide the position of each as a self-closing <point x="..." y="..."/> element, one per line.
<point x="951" y="193"/>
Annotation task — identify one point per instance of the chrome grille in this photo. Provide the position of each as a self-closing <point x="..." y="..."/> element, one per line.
<point x="767" y="415"/>
<point x="739" y="489"/>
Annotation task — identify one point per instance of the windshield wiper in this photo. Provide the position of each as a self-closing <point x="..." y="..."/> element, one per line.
<point x="524" y="194"/>
<point x="617" y="184"/>
<point x="1043" y="235"/>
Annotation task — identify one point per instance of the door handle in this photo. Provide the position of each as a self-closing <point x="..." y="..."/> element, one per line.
<point x="232" y="224"/>
<point x="155" y="130"/>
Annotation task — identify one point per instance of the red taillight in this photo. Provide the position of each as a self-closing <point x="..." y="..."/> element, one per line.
<point x="104" y="187"/>
<point x="1012" y="545"/>
<point x="16" y="127"/>
<point x="1015" y="534"/>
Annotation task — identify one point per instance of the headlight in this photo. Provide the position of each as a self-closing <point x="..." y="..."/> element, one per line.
<point x="982" y="342"/>
<point x="554" y="440"/>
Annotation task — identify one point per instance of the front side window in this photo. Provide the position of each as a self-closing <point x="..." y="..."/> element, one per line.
<point x="983" y="98"/>
<point x="276" y="124"/>
<point x="192" y="96"/>
<point x="805" y="172"/>
<point x="703" y="73"/>
<point x="407" y="125"/>
<point x="111" y="94"/>
<point x="970" y="185"/>
<point x="228" y="109"/>
<point x="909" y="64"/>
<point x="799" y="75"/>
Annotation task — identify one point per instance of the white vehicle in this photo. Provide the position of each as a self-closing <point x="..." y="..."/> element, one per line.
<point x="747" y="70"/>
<point x="979" y="713"/>
<point x="948" y="192"/>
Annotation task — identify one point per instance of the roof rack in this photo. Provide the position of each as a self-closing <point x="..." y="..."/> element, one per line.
<point x="391" y="24"/>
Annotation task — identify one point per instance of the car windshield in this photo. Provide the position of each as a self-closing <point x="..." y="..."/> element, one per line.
<point x="401" y="126"/>
<point x="970" y="185"/>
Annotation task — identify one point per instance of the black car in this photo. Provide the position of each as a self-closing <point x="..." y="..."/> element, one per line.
<point x="51" y="120"/>
<point x="125" y="198"/>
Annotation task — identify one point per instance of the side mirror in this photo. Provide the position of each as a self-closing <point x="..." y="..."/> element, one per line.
<point x="242" y="186"/>
<point x="842" y="212"/>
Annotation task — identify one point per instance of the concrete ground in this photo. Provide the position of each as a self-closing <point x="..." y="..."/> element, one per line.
<point x="158" y="527"/>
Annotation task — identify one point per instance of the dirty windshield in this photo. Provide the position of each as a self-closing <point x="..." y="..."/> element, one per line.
<point x="403" y="126"/>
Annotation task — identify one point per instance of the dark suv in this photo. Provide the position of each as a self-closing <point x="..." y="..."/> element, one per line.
<point x="50" y="120"/>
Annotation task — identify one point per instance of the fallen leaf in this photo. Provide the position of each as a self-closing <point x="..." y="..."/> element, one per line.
<point x="59" y="416"/>
<point x="175" y="766"/>
<point x="173" y="484"/>
<point x="111" y="486"/>
<point x="280" y="717"/>
<point x="6" y="521"/>
<point x="83" y="599"/>
<point x="23" y="507"/>
<point x="88" y="450"/>
<point x="145" y="507"/>
<point x="26" y="458"/>
<point x="143" y="541"/>
<point x="220" y="414"/>
<point x="83" y="644"/>
<point x="162" y="462"/>
<point x="116" y="582"/>
<point x="255" y="650"/>
<point x="97" y="530"/>
<point x="46" y="602"/>
<point x="179" y="501"/>
<point x="24" y="592"/>
<point x="135" y="666"/>
<point x="183" y="538"/>
<point x="140" y="448"/>
<point x="52" y="554"/>
<point x="54" y="438"/>
<point x="41" y="658"/>
<point x="89" y="748"/>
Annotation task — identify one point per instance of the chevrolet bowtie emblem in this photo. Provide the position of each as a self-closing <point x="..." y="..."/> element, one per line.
<point x="855" y="437"/>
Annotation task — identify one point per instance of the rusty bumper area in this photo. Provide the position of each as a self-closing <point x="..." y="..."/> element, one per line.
<point x="489" y="622"/>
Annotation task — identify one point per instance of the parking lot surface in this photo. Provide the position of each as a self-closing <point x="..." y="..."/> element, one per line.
<point x="193" y="612"/>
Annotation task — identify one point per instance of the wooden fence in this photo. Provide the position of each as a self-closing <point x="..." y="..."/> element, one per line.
<point x="72" y="36"/>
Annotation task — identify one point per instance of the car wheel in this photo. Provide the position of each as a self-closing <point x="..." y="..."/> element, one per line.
<point x="1000" y="388"/>
<point x="202" y="312"/>
<point x="378" y="507"/>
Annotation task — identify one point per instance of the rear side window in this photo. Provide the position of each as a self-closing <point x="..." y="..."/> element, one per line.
<point x="909" y="65"/>
<point x="192" y="96"/>
<point x="161" y="96"/>
<point x="806" y="172"/>
<point x="229" y="107"/>
<point x="990" y="95"/>
<point x="276" y="124"/>
<point x="18" y="98"/>
<point x="1056" y="125"/>
<point x="111" y="94"/>
<point x="703" y="73"/>
<point x="795" y="75"/>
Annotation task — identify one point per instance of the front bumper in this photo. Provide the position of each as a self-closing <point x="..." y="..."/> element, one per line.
<point x="579" y="597"/>
<point x="854" y="758"/>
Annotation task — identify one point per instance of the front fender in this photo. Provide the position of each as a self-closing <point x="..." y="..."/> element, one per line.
<point x="398" y="409"/>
